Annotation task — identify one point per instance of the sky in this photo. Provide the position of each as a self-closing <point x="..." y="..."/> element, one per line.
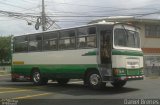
<point x="69" y="13"/>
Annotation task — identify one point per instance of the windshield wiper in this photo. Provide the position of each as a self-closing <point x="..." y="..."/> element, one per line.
<point x="126" y="32"/>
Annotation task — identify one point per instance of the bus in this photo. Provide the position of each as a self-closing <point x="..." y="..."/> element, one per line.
<point x="95" y="53"/>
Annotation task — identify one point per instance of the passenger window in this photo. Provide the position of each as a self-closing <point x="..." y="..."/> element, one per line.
<point x="21" y="44"/>
<point x="67" y="39"/>
<point x="86" y="37"/>
<point x="50" y="41"/>
<point x="35" y="42"/>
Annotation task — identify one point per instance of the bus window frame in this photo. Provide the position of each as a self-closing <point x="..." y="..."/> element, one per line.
<point x="14" y="44"/>
<point x="63" y="38"/>
<point x="75" y="38"/>
<point x="37" y="50"/>
<point x="87" y="35"/>
<point x="53" y="39"/>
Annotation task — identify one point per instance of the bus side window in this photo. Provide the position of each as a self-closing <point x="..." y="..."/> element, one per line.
<point x="50" y="40"/>
<point x="91" y="40"/>
<point x="35" y="42"/>
<point x="82" y="37"/>
<point x="21" y="44"/>
<point x="67" y="39"/>
<point x="86" y="37"/>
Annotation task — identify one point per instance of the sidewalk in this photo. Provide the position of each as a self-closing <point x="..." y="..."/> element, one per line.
<point x="152" y="77"/>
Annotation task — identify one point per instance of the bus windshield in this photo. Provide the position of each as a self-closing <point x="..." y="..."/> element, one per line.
<point x="126" y="38"/>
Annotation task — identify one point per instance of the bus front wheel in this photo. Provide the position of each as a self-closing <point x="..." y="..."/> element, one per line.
<point x="94" y="81"/>
<point x="37" y="78"/>
<point x="118" y="84"/>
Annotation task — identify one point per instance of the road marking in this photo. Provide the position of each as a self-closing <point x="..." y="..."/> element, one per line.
<point x="24" y="87"/>
<point x="13" y="91"/>
<point x="30" y="96"/>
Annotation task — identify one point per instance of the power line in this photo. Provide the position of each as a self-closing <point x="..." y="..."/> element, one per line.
<point x="27" y="1"/>
<point x="12" y="5"/>
<point x="43" y="19"/>
<point x="24" y="9"/>
<point x="95" y="6"/>
<point x="31" y="9"/>
<point x="104" y="7"/>
<point x="35" y="15"/>
<point x="123" y="9"/>
<point x="145" y="14"/>
<point x="76" y="12"/>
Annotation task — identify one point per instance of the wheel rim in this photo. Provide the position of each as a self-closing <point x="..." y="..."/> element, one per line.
<point x="36" y="77"/>
<point x="94" y="79"/>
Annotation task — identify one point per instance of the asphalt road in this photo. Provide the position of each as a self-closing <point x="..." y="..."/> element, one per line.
<point x="75" y="93"/>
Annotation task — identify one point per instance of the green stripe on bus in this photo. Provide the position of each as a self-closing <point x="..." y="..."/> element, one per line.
<point x="90" y="53"/>
<point x="59" y="68"/>
<point x="125" y="52"/>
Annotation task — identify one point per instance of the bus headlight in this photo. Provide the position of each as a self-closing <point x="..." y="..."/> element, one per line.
<point x="119" y="71"/>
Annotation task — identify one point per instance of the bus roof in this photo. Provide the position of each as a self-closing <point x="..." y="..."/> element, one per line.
<point x="94" y="24"/>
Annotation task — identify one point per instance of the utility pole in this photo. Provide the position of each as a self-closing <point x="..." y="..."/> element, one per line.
<point x="44" y="21"/>
<point x="43" y="17"/>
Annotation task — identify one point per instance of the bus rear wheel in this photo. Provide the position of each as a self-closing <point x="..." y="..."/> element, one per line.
<point x="118" y="84"/>
<point x="37" y="78"/>
<point x="62" y="81"/>
<point x="94" y="81"/>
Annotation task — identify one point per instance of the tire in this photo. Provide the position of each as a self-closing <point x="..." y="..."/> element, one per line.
<point x="93" y="80"/>
<point x="62" y="81"/>
<point x="37" y="78"/>
<point x="118" y="84"/>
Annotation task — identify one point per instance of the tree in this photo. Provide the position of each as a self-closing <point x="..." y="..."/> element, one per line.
<point x="5" y="50"/>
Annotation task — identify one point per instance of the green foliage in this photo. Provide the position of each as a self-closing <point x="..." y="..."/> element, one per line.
<point x="5" y="50"/>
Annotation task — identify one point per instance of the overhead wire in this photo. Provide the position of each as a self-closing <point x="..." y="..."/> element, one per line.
<point x="69" y="14"/>
<point x="4" y="3"/>
<point x="73" y="12"/>
<point x="74" y="4"/>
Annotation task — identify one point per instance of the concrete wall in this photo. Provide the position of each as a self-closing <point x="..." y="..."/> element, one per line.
<point x="149" y="69"/>
<point x="148" y="42"/>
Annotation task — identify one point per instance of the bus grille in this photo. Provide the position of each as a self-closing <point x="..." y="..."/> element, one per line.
<point x="133" y="72"/>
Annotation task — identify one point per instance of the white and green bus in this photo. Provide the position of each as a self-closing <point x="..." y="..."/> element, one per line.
<point x="97" y="54"/>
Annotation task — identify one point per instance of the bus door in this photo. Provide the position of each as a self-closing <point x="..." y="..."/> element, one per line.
<point x="105" y="54"/>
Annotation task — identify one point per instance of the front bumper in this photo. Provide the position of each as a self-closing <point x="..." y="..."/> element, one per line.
<point x="128" y="78"/>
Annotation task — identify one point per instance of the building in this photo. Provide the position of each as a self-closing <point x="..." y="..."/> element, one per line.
<point x="150" y="39"/>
